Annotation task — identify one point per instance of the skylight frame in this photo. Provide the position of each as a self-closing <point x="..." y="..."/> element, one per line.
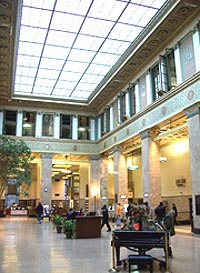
<point x="59" y="64"/>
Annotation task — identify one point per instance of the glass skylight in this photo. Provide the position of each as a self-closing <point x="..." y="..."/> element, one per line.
<point x="66" y="47"/>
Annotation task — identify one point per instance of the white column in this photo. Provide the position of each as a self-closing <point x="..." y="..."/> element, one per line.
<point x="196" y="43"/>
<point x="148" y="89"/>
<point x="178" y="65"/>
<point x="75" y="127"/>
<point x="111" y="118"/>
<point x="92" y="129"/>
<point x="127" y="98"/>
<point x="38" y="127"/>
<point x="99" y="127"/>
<point x="19" y="123"/>
<point x="1" y="122"/>
<point x="56" y="132"/>
<point x="137" y="98"/>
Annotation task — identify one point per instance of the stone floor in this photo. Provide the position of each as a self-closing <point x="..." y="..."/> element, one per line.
<point x="29" y="247"/>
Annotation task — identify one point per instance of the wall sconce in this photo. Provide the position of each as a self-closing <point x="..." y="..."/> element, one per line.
<point x="133" y="168"/>
<point x="163" y="159"/>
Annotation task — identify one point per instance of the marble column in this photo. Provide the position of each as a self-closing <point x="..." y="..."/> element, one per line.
<point x="120" y="177"/>
<point x="150" y="170"/>
<point x="94" y="184"/>
<point x="46" y="178"/>
<point x="193" y="121"/>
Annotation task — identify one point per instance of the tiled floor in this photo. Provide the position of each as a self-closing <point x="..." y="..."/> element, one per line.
<point x="28" y="247"/>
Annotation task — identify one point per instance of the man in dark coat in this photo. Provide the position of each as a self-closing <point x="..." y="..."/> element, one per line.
<point x="39" y="212"/>
<point x="105" y="220"/>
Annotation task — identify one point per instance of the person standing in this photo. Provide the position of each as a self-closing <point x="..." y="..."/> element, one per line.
<point x="39" y="212"/>
<point x="174" y="213"/>
<point x="159" y="212"/>
<point x="105" y="220"/>
<point x="118" y="210"/>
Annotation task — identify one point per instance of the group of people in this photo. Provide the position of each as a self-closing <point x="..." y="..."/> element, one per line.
<point x="71" y="214"/>
<point x="164" y="216"/>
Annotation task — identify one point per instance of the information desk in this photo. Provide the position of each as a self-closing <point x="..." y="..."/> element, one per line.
<point x="88" y="226"/>
<point x="18" y="212"/>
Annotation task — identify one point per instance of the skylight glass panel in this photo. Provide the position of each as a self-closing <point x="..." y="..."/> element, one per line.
<point x="66" y="85"/>
<point x="25" y="89"/>
<point x="75" y="66"/>
<point x="31" y="34"/>
<point x="44" y="90"/>
<point x="98" y="69"/>
<point x="24" y="80"/>
<point x="81" y="55"/>
<point x="39" y="3"/>
<point x="51" y="63"/>
<point x="87" y="41"/>
<point x="124" y="32"/>
<point x="61" y="92"/>
<point x="104" y="58"/>
<point x="55" y="52"/>
<point x="68" y="47"/>
<point x="74" y="7"/>
<point x="48" y="74"/>
<point x="30" y="49"/>
<point x="85" y="86"/>
<point x="70" y="76"/>
<point x="99" y="28"/>
<point x="26" y="71"/>
<point x="66" y="22"/>
<point x="28" y="61"/>
<point x="115" y="46"/>
<point x="80" y="94"/>
<point x="107" y="9"/>
<point x="36" y="17"/>
<point x="60" y="38"/>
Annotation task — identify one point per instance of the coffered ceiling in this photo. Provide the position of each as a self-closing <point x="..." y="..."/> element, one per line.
<point x="170" y="20"/>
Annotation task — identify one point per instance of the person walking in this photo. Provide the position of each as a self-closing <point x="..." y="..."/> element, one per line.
<point x="39" y="212"/>
<point x="105" y="220"/>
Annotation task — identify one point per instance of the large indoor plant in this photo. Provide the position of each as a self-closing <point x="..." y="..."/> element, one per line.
<point x="68" y="228"/>
<point x="58" y="222"/>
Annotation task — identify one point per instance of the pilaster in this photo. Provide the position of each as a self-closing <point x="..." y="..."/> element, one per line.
<point x="46" y="178"/>
<point x="150" y="169"/>
<point x="193" y="121"/>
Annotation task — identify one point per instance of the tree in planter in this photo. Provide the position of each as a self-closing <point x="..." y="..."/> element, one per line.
<point x="15" y="158"/>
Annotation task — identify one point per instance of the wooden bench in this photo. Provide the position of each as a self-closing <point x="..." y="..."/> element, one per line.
<point x="140" y="242"/>
<point x="140" y="260"/>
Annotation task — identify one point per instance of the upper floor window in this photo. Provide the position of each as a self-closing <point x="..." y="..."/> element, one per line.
<point x="163" y="74"/>
<point x="155" y="76"/>
<point x="121" y="107"/>
<point x="66" y="126"/>
<point x="28" y="123"/>
<point x="10" y="122"/>
<point x="105" y="121"/>
<point x="171" y="70"/>
<point x="131" y="91"/>
<point x="83" y="127"/>
<point x="47" y="124"/>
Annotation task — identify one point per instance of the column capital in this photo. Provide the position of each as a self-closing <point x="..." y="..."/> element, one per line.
<point x="46" y="156"/>
<point x="94" y="157"/>
<point x="193" y="110"/>
<point x="145" y="134"/>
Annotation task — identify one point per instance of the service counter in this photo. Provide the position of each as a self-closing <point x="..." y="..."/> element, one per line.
<point x="18" y="212"/>
<point x="88" y="226"/>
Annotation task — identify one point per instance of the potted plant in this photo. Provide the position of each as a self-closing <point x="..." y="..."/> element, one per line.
<point x="58" y="222"/>
<point x="68" y="228"/>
